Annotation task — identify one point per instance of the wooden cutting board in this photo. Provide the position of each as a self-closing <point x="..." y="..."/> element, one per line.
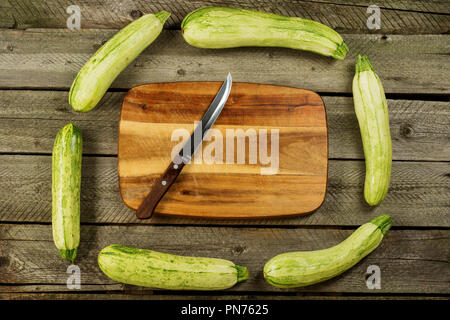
<point x="151" y="113"/>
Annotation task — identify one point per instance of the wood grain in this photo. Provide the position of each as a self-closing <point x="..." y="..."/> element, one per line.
<point x="20" y="293"/>
<point x="436" y="6"/>
<point x="419" y="129"/>
<point x="418" y="195"/>
<point x="292" y="183"/>
<point x="403" y="17"/>
<point x="52" y="58"/>
<point x="411" y="261"/>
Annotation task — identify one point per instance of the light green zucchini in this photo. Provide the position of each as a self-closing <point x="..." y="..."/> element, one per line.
<point x="304" y="268"/>
<point x="373" y="118"/>
<point x="107" y="63"/>
<point x="214" y="27"/>
<point x="167" y="271"/>
<point x="66" y="186"/>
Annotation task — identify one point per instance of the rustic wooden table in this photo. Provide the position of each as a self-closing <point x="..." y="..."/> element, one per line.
<point x="39" y="58"/>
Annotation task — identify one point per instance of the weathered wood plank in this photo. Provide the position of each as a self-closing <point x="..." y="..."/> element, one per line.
<point x="29" y="121"/>
<point x="182" y="295"/>
<point x="52" y="58"/>
<point x="402" y="17"/>
<point x="436" y="6"/>
<point x="411" y="261"/>
<point x="418" y="196"/>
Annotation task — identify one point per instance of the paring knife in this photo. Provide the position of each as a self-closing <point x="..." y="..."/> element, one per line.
<point x="163" y="183"/>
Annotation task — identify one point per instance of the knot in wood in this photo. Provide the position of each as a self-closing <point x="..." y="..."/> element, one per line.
<point x="136" y="14"/>
<point x="406" y="130"/>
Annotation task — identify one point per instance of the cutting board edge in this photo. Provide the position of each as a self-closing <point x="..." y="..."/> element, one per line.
<point x="220" y="82"/>
<point x="246" y="217"/>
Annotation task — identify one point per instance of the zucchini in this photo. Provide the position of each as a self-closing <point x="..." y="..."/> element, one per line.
<point x="115" y="55"/>
<point x="149" y="268"/>
<point x="303" y="268"/>
<point x="373" y="118"/>
<point x="215" y="27"/>
<point x="66" y="185"/>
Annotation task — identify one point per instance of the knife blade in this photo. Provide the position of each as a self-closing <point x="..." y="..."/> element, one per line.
<point x="207" y="121"/>
<point x="163" y="183"/>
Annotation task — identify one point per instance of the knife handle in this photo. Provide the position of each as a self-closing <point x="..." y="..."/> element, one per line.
<point x="160" y="187"/>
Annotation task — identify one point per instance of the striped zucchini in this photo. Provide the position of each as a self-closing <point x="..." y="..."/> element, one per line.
<point x="373" y="118"/>
<point x="303" y="268"/>
<point x="214" y="27"/>
<point x="115" y="55"/>
<point x="167" y="271"/>
<point x="66" y="185"/>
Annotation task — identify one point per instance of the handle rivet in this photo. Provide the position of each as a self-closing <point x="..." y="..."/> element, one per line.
<point x="175" y="166"/>
<point x="163" y="182"/>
